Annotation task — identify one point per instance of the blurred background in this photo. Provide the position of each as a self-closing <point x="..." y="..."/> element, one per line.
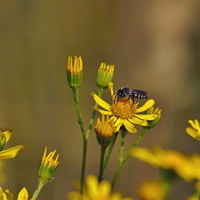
<point x="154" y="45"/>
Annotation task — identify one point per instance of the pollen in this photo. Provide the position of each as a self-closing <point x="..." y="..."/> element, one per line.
<point x="125" y="108"/>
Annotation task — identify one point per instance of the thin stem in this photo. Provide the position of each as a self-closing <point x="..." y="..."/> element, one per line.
<point x="80" y="121"/>
<point x="78" y="109"/>
<point x="121" y="159"/>
<point x="144" y="130"/>
<point x="118" y="170"/>
<point x="121" y="151"/>
<point x="83" y="166"/>
<point x="37" y="191"/>
<point x="85" y="135"/>
<point x="108" y="155"/>
<point x="101" y="170"/>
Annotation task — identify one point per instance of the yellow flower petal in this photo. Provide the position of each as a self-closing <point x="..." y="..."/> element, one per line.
<point x="110" y="85"/>
<point x="146" y="106"/>
<point x="23" y="194"/>
<point x="135" y="120"/>
<point x="76" y="196"/>
<point x="2" y="195"/>
<point x="9" y="195"/>
<point x="101" y="102"/>
<point x="146" y="155"/>
<point x="195" y="124"/>
<point x="195" y="130"/>
<point x="146" y="117"/>
<point x="103" y="112"/>
<point x="104" y="188"/>
<point x="10" y="153"/>
<point x="193" y="133"/>
<point x="96" y="191"/>
<point x="129" y="126"/>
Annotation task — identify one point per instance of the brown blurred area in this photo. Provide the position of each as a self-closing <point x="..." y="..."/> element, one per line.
<point x="154" y="45"/>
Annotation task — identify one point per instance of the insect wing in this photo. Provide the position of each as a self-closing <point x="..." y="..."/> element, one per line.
<point x="139" y="94"/>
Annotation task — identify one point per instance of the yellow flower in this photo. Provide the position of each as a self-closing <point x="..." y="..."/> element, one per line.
<point x="151" y="190"/>
<point x="11" y="152"/>
<point x="7" y="195"/>
<point x="195" y="130"/>
<point x="96" y="191"/>
<point x="125" y="112"/>
<point x="105" y="129"/>
<point x="186" y="166"/>
<point x="47" y="166"/>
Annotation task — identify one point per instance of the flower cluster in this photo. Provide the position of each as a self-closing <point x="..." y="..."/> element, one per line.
<point x="186" y="166"/>
<point x="124" y="113"/>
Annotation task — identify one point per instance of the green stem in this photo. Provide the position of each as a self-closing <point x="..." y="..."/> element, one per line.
<point x="101" y="170"/>
<point x="118" y="170"/>
<point x="144" y="130"/>
<point x="37" y="191"/>
<point x="85" y="135"/>
<point x="121" y="159"/>
<point x="78" y="109"/>
<point x="108" y="155"/>
<point x="80" y="121"/>
<point x="83" y="166"/>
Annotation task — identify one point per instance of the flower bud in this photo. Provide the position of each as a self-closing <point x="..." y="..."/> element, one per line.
<point x="156" y="111"/>
<point x="104" y="75"/>
<point x="74" y="71"/>
<point x="47" y="166"/>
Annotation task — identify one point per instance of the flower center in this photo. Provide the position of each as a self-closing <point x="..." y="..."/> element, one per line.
<point x="125" y="108"/>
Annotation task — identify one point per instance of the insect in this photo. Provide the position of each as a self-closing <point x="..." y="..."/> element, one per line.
<point x="127" y="92"/>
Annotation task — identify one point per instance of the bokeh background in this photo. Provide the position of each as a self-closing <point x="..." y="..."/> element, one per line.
<point x="154" y="45"/>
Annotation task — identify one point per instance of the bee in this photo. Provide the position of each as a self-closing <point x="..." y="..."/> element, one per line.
<point x="129" y="93"/>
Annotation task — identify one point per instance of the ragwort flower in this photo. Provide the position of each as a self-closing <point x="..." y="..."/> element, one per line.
<point x="11" y="152"/>
<point x="96" y="191"/>
<point x="195" y="130"/>
<point x="105" y="130"/>
<point x="125" y="112"/>
<point x="47" y="166"/>
<point x="186" y="166"/>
